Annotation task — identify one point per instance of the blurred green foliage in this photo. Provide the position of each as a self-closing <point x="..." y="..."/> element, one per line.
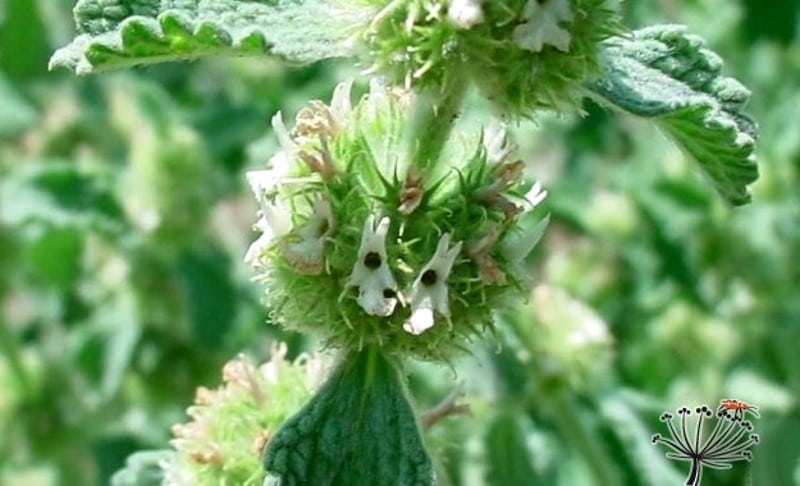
<point x="124" y="217"/>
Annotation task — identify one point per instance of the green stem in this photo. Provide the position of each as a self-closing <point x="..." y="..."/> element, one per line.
<point x="10" y="349"/>
<point x="432" y="119"/>
<point x="581" y="438"/>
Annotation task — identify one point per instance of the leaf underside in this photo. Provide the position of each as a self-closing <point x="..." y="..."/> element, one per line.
<point x="359" y="429"/>
<point x="667" y="75"/>
<point x="121" y="33"/>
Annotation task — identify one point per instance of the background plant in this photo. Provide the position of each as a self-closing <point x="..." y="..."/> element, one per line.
<point x="108" y="326"/>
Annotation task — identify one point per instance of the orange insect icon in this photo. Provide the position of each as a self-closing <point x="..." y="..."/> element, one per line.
<point x="738" y="407"/>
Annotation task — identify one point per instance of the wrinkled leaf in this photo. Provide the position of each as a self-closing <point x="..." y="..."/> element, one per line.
<point x="16" y="113"/>
<point x="667" y="75"/>
<point x="142" y="469"/>
<point x="121" y="33"/>
<point x="651" y="465"/>
<point x="21" y="25"/>
<point x="210" y="295"/>
<point x="776" y="456"/>
<point x="359" y="429"/>
<point x="509" y="460"/>
<point x="56" y="255"/>
<point x="59" y="194"/>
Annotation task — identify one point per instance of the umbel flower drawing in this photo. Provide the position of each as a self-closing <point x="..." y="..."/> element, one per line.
<point x="729" y="441"/>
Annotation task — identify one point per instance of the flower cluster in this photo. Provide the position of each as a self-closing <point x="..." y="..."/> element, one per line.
<point x="360" y="246"/>
<point x="523" y="54"/>
<point x="231" y="425"/>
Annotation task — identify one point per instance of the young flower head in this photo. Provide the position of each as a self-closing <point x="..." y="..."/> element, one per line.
<point x="230" y="426"/>
<point x="361" y="247"/>
<point x="522" y="54"/>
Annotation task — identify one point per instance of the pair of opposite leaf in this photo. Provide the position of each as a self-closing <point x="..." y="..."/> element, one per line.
<point x="661" y="73"/>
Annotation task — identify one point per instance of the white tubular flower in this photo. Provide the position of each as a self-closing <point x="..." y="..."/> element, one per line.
<point x="284" y="139"/>
<point x="377" y="288"/>
<point x="518" y="244"/>
<point x="541" y="25"/>
<point x="494" y="140"/>
<point x="429" y="291"/>
<point x="306" y="254"/>
<point x="464" y="14"/>
<point x="340" y="102"/>
<point x="536" y="195"/>
<point x="377" y="98"/>
<point x="274" y="220"/>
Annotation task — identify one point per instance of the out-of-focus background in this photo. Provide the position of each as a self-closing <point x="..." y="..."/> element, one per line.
<point x="124" y="216"/>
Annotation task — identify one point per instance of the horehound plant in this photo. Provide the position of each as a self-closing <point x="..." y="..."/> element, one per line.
<point x="387" y="233"/>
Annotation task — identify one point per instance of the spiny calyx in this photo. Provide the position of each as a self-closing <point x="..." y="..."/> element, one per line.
<point x="362" y="247"/>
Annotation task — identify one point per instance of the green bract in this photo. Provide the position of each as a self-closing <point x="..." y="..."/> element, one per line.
<point x="524" y="55"/>
<point x="362" y="247"/>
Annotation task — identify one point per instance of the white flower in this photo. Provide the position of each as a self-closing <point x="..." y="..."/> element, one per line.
<point x="288" y="146"/>
<point x="429" y="291"/>
<point x="465" y="13"/>
<point x="495" y="142"/>
<point x="306" y="253"/>
<point x="541" y="25"/>
<point x="535" y="195"/>
<point x="340" y="102"/>
<point x="274" y="220"/>
<point x="271" y="368"/>
<point x="377" y="288"/>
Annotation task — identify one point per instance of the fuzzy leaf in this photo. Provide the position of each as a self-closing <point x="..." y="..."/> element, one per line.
<point x="142" y="469"/>
<point x="17" y="114"/>
<point x="665" y="74"/>
<point x="509" y="459"/>
<point x="121" y="33"/>
<point x="359" y="429"/>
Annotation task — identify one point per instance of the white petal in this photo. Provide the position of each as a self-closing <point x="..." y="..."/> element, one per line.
<point x="340" y="102"/>
<point x="307" y="254"/>
<point x="377" y="293"/>
<point x="260" y="181"/>
<point x="256" y="249"/>
<point x="541" y="25"/>
<point x="535" y="195"/>
<point x="284" y="139"/>
<point x="421" y="319"/>
<point x="429" y="291"/>
<point x="273" y="223"/>
<point x="465" y="13"/>
<point x="494" y="140"/>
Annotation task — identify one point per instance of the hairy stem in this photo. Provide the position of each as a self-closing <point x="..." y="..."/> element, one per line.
<point x="433" y="117"/>
<point x="579" y="436"/>
<point x="10" y="349"/>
